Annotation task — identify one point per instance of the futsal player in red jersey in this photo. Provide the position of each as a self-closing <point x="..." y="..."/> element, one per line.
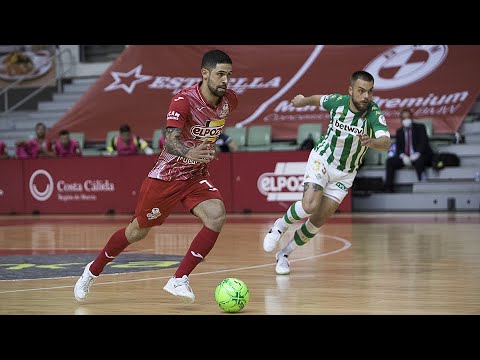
<point x="195" y="120"/>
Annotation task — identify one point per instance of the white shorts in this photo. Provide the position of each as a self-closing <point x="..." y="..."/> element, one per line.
<point x="335" y="183"/>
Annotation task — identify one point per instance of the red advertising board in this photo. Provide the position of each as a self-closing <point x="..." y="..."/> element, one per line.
<point x="270" y="181"/>
<point x="80" y="185"/>
<point x="248" y="181"/>
<point x="11" y="186"/>
<point x="437" y="82"/>
<point x="89" y="184"/>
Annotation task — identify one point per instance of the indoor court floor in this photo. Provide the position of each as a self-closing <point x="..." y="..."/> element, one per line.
<point x="359" y="263"/>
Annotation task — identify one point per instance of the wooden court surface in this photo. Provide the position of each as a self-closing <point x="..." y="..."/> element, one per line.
<point x="369" y="263"/>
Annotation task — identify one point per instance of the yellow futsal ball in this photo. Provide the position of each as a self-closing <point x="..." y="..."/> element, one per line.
<point x="232" y="295"/>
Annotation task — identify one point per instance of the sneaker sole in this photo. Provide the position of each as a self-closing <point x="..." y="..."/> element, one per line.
<point x="282" y="273"/>
<point x="279" y="272"/>
<point x="185" y="299"/>
<point x="78" y="299"/>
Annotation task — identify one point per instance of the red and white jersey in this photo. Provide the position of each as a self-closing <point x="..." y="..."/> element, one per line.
<point x="190" y="112"/>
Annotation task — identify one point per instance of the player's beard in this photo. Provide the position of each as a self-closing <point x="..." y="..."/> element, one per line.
<point x="215" y="90"/>
<point x="360" y="106"/>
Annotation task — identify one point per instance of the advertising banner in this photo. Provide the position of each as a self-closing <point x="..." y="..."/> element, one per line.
<point x="273" y="183"/>
<point x="248" y="182"/>
<point x="11" y="187"/>
<point x="436" y="82"/>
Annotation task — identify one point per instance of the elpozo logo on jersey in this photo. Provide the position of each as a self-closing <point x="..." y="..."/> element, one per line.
<point x="211" y="131"/>
<point x="405" y="64"/>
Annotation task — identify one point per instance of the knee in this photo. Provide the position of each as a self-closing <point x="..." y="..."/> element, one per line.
<point x="310" y="206"/>
<point x="134" y="234"/>
<point x="215" y="220"/>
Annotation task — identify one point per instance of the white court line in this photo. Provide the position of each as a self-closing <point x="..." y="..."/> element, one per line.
<point x="346" y="245"/>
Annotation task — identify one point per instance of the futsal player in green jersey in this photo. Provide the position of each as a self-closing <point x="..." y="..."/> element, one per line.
<point x="356" y="124"/>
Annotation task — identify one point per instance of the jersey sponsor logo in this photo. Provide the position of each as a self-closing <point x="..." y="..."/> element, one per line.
<point x="341" y="186"/>
<point x="354" y="130"/>
<point x="405" y="65"/>
<point x="173" y="115"/>
<point x="224" y="112"/>
<point x="381" y="120"/>
<point x="284" y="184"/>
<point x="211" y="130"/>
<point x="187" y="160"/>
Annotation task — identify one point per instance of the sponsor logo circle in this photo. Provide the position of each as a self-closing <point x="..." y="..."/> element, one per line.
<point x="41" y="195"/>
<point x="405" y="64"/>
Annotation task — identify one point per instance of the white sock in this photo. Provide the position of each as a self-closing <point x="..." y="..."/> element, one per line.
<point x="303" y="235"/>
<point x="294" y="213"/>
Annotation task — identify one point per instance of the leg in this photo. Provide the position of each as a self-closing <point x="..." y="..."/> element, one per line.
<point x="147" y="214"/>
<point x="315" y="169"/>
<point x="305" y="233"/>
<point x="205" y="202"/>
<point x="419" y="166"/>
<point x="322" y="204"/>
<point x="294" y="213"/>
<point x="392" y="164"/>
<point x="212" y="213"/>
<point x="115" y="245"/>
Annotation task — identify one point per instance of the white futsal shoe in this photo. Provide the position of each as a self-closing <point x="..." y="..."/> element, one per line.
<point x="82" y="287"/>
<point x="180" y="287"/>
<point x="283" y="265"/>
<point x="271" y="239"/>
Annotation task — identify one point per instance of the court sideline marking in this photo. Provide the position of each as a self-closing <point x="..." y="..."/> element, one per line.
<point x="346" y="245"/>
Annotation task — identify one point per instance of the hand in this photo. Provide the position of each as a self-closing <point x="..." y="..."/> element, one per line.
<point x="297" y="101"/>
<point x="365" y="140"/>
<point x="414" y="156"/>
<point x="406" y="160"/>
<point x="203" y="152"/>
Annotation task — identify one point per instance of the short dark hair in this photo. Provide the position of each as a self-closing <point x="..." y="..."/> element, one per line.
<point x="362" y="75"/>
<point x="213" y="57"/>
<point x="63" y="132"/>
<point x="124" y="128"/>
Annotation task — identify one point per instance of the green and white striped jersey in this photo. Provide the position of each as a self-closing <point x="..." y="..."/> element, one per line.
<point x="341" y="144"/>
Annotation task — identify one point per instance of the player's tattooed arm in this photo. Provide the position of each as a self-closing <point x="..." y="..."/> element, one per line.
<point x="174" y="143"/>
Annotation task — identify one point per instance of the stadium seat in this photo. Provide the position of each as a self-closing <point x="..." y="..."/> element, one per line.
<point x="428" y="124"/>
<point x="259" y="138"/>
<point x="309" y="128"/>
<point x="108" y="138"/>
<point x="80" y="137"/>
<point x="374" y="159"/>
<point x="239" y="135"/>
